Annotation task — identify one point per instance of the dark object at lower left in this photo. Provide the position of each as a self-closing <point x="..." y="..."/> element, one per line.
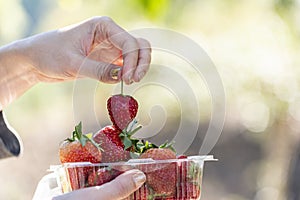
<point x="9" y="143"/>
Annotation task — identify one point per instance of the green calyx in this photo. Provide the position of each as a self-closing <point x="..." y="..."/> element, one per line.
<point x="126" y="136"/>
<point x="136" y="146"/>
<point x="77" y="135"/>
<point x="143" y="146"/>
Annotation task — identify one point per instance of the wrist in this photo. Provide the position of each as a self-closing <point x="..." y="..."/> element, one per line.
<point x="16" y="72"/>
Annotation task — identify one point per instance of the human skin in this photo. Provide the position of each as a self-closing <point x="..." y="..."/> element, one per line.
<point x="94" y="48"/>
<point x="117" y="189"/>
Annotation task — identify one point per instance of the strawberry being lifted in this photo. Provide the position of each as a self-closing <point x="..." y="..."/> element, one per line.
<point x="122" y="109"/>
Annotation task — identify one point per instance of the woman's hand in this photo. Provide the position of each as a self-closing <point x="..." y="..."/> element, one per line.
<point x="119" y="188"/>
<point x="93" y="48"/>
<point x="97" y="48"/>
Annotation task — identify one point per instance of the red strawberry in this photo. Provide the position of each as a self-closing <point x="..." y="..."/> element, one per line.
<point x="99" y="177"/>
<point x="76" y="152"/>
<point x="193" y="190"/>
<point x="113" y="148"/>
<point x="122" y="109"/>
<point x="188" y="190"/>
<point x="102" y="175"/>
<point x="143" y="193"/>
<point x="181" y="157"/>
<point x="77" y="177"/>
<point x="188" y="179"/>
<point x="116" y="144"/>
<point x="79" y="148"/>
<point x="161" y="177"/>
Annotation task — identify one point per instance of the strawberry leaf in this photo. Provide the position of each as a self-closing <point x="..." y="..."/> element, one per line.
<point x="127" y="140"/>
<point x="82" y="141"/>
<point x="122" y="134"/>
<point x="78" y="128"/>
<point x="134" y="155"/>
<point x="82" y="138"/>
<point x="168" y="145"/>
<point x="142" y="146"/>
<point x="127" y="143"/>
<point x="89" y="135"/>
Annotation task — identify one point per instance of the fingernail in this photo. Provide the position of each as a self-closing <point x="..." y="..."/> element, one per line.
<point x="139" y="178"/>
<point x="114" y="73"/>
<point x="128" y="76"/>
<point x="130" y="79"/>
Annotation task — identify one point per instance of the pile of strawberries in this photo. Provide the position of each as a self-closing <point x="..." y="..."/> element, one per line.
<point x="178" y="179"/>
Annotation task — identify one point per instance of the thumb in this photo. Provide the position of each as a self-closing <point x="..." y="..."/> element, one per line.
<point x="119" y="188"/>
<point x="124" y="185"/>
<point x="104" y="72"/>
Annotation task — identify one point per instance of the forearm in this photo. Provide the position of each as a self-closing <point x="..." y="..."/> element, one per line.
<point x="91" y="49"/>
<point x="16" y="74"/>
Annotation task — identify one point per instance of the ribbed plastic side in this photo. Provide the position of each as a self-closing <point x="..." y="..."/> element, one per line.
<point x="188" y="176"/>
<point x="184" y="181"/>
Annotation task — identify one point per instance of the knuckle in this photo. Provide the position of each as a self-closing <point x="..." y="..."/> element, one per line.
<point x="101" y="21"/>
<point x="94" y="19"/>
<point x="144" y="44"/>
<point x="106" y="20"/>
<point x="131" y="41"/>
<point x="101" y="18"/>
<point x="131" y="48"/>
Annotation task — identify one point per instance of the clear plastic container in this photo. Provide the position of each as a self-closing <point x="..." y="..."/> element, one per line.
<point x="166" y="179"/>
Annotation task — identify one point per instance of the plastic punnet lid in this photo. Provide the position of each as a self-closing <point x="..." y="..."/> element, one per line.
<point x="134" y="162"/>
<point x="205" y="158"/>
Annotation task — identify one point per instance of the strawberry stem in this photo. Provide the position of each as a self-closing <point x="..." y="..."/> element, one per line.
<point x="134" y="131"/>
<point x="122" y="87"/>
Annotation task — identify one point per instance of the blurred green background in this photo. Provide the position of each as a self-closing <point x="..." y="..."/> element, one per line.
<point x="255" y="47"/>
